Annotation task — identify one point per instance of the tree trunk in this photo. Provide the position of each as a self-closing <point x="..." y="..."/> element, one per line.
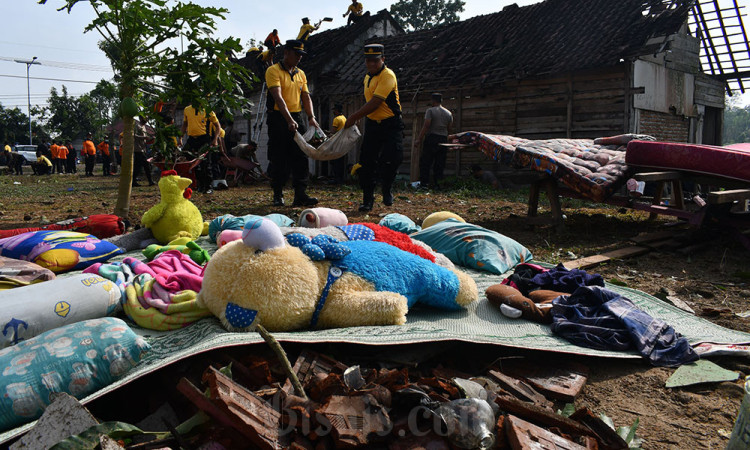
<point x="122" y="208"/>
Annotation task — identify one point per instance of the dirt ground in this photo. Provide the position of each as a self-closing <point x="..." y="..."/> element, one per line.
<point x="712" y="280"/>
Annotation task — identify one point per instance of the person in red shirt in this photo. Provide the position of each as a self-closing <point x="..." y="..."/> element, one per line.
<point x="89" y="152"/>
<point x="103" y="148"/>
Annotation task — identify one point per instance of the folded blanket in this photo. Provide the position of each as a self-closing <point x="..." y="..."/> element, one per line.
<point x="161" y="294"/>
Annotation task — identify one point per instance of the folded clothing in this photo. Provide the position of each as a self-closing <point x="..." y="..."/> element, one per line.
<point x="161" y="294"/>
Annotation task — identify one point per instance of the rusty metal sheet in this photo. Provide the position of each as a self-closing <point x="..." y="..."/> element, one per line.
<point x="310" y="365"/>
<point x="524" y="435"/>
<point x="254" y="416"/>
<point x="560" y="381"/>
<point x="520" y="389"/>
<point x="355" y="421"/>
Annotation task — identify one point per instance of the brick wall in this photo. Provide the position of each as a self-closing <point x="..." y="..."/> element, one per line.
<point x="664" y="127"/>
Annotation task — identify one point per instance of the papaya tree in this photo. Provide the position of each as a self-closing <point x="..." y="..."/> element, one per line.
<point x="142" y="40"/>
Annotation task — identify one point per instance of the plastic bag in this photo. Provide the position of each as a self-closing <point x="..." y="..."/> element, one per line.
<point x="338" y="145"/>
<point x="314" y="134"/>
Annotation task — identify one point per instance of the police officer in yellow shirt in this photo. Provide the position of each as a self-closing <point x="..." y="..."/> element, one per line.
<point x="287" y="96"/>
<point x="382" y="146"/>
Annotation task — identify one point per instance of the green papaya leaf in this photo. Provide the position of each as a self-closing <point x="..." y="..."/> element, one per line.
<point x="567" y="410"/>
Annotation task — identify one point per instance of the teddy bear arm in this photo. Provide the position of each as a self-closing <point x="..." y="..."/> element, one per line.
<point x="364" y="308"/>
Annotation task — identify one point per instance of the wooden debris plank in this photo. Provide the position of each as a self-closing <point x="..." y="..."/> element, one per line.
<point x="524" y="435"/>
<point x="722" y="197"/>
<point x="536" y="414"/>
<point x="591" y="261"/>
<point x="607" y="437"/>
<point x="561" y="381"/>
<point x="652" y="237"/>
<point x="309" y="364"/>
<point x="520" y="389"/>
<point x="252" y="416"/>
<point x="658" y="176"/>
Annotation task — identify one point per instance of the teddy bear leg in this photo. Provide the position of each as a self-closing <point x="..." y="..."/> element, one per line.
<point x="363" y="308"/>
<point x="467" y="291"/>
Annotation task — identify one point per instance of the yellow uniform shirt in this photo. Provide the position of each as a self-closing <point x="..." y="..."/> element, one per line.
<point x="304" y="32"/>
<point x="383" y="85"/>
<point x="43" y="159"/>
<point x="339" y="122"/>
<point x="355" y="9"/>
<point x="196" y="121"/>
<point x="292" y="86"/>
<point x="8" y="149"/>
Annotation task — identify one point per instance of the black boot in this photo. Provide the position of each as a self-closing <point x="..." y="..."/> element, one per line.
<point x="387" y="196"/>
<point x="304" y="200"/>
<point x="278" y="197"/>
<point x="368" y="198"/>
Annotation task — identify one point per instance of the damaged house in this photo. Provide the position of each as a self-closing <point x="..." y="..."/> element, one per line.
<point x="548" y="70"/>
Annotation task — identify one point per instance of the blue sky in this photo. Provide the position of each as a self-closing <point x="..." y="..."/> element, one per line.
<point x="56" y="38"/>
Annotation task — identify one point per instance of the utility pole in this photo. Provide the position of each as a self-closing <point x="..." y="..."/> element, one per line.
<point x="28" y="88"/>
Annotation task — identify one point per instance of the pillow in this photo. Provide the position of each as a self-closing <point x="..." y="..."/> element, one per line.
<point x="472" y="246"/>
<point x="399" y="222"/>
<point x="230" y="222"/>
<point x="78" y="359"/>
<point x="440" y="216"/>
<point x="28" y="311"/>
<point x="15" y="273"/>
<point x="58" y="251"/>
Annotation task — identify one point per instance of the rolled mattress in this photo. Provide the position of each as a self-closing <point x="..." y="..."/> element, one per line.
<point x="726" y="162"/>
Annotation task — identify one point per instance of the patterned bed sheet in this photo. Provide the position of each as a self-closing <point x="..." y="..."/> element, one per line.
<point x="595" y="169"/>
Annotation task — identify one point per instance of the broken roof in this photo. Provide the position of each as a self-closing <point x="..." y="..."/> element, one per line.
<point x="549" y="37"/>
<point x="329" y="46"/>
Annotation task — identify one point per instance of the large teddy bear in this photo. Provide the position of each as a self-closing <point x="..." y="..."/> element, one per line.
<point x="263" y="279"/>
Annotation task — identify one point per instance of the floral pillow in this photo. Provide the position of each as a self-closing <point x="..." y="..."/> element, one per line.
<point x="78" y="359"/>
<point x="58" y="251"/>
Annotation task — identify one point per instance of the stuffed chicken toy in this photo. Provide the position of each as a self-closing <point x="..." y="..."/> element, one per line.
<point x="175" y="216"/>
<point x="297" y="283"/>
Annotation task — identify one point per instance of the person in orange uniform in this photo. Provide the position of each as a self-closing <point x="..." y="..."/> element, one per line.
<point x="53" y="153"/>
<point x="103" y="148"/>
<point x="62" y="158"/>
<point x="89" y="153"/>
<point x="272" y="40"/>
<point x="382" y="145"/>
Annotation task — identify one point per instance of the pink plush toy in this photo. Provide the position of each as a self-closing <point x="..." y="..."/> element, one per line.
<point x="228" y="236"/>
<point x="322" y="217"/>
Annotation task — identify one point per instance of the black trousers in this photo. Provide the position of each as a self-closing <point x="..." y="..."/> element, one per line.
<point x="381" y="154"/>
<point x="204" y="171"/>
<point x="40" y="168"/>
<point x="284" y="155"/>
<point x="106" y="165"/>
<point x="70" y="164"/>
<point x="433" y="157"/>
<point x="90" y="163"/>
<point x="140" y="163"/>
<point x="60" y="164"/>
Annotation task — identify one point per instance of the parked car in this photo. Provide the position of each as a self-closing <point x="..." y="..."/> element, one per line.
<point x="28" y="152"/>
